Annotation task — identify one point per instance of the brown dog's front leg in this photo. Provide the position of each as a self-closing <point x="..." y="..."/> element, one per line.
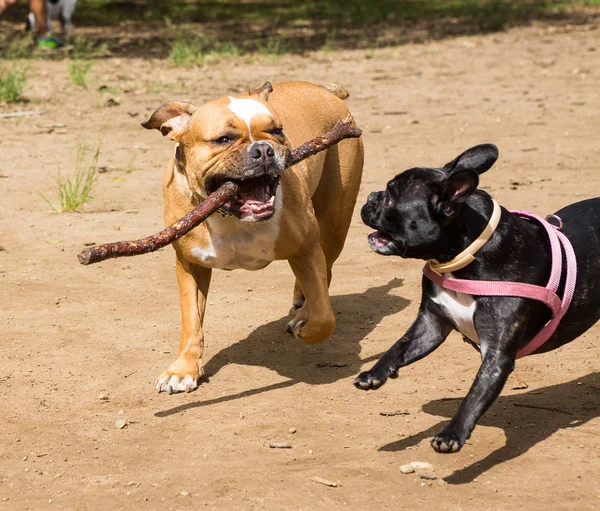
<point x="184" y="373"/>
<point x="314" y="321"/>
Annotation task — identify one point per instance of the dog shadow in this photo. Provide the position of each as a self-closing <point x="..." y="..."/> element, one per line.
<point x="269" y="346"/>
<point x="527" y="419"/>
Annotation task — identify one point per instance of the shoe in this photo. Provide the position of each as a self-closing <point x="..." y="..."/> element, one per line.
<point x="48" y="42"/>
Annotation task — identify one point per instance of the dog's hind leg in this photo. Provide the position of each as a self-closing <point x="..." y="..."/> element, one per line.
<point x="491" y="377"/>
<point x="334" y="201"/>
<point x="335" y="197"/>
<point x="184" y="373"/>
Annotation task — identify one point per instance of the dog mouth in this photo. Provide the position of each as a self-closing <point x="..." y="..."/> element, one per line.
<point x="255" y="199"/>
<point x="382" y="244"/>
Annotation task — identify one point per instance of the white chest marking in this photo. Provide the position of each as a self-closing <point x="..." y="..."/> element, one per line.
<point x="246" y="109"/>
<point x="460" y="309"/>
<point x="235" y="244"/>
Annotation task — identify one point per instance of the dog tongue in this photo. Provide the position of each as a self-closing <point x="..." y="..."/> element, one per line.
<point x="254" y="193"/>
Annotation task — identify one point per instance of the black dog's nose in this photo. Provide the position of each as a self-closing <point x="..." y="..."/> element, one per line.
<point x="261" y="150"/>
<point x="372" y="196"/>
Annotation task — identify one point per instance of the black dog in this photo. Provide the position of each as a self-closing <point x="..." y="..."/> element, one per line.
<point x="434" y="214"/>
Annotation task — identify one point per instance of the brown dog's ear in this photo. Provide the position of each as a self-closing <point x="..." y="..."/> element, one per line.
<point x="262" y="92"/>
<point x="171" y="119"/>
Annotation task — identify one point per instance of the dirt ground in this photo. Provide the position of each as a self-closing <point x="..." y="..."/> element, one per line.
<point x="82" y="346"/>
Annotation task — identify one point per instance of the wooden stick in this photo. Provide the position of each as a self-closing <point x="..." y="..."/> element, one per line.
<point x="342" y="129"/>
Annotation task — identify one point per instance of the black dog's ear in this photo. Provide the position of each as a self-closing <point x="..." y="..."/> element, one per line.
<point x="460" y="184"/>
<point x="479" y="159"/>
<point x="457" y="186"/>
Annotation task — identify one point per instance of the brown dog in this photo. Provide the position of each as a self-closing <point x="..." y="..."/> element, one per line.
<point x="301" y="214"/>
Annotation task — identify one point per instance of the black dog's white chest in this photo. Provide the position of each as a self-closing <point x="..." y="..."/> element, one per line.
<point x="460" y="310"/>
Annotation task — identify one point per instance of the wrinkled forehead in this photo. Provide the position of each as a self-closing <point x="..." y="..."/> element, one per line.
<point x="245" y="115"/>
<point x="416" y="183"/>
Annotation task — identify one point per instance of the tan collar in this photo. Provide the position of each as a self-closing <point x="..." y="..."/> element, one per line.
<point x="467" y="256"/>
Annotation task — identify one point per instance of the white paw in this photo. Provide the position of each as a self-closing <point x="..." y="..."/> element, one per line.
<point x="174" y="383"/>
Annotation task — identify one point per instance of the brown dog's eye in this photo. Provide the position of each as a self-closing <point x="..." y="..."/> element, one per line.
<point x="277" y="132"/>
<point x="225" y="139"/>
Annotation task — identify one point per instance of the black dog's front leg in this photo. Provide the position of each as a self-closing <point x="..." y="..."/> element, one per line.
<point x="488" y="384"/>
<point x="427" y="332"/>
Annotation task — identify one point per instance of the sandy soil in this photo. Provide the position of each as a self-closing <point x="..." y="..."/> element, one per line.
<point x="81" y="346"/>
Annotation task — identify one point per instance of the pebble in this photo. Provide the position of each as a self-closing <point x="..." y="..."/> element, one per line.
<point x="102" y="397"/>
<point x="280" y="445"/>
<point x="407" y="469"/>
<point x="120" y="423"/>
<point x="291" y="431"/>
<point x="57" y="300"/>
<point x="428" y="477"/>
<point x="184" y="493"/>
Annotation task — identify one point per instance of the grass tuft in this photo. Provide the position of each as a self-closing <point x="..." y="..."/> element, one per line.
<point x="201" y="50"/>
<point x="78" y="70"/>
<point x="75" y="192"/>
<point x="12" y="83"/>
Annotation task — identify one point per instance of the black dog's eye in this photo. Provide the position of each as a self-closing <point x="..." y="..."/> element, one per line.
<point x="388" y="202"/>
<point x="225" y="139"/>
<point x="276" y="132"/>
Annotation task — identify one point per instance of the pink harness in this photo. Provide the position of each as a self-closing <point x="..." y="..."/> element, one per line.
<point x="546" y="295"/>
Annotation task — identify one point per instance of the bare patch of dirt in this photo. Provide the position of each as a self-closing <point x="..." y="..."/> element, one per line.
<point x="81" y="346"/>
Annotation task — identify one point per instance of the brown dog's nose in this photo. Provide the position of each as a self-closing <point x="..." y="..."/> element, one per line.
<point x="261" y="150"/>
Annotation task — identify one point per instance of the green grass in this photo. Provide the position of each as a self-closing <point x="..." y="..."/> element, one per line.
<point x="87" y="48"/>
<point x="16" y="46"/>
<point x="273" y="47"/>
<point x="201" y="50"/>
<point x="12" y="83"/>
<point x="275" y="27"/>
<point x="78" y="71"/>
<point x="76" y="191"/>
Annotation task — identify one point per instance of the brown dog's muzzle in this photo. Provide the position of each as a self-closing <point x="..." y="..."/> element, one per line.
<point x="256" y="168"/>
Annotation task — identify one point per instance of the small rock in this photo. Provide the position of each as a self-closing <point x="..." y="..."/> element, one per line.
<point x="120" y="423"/>
<point x="184" y="493"/>
<point x="420" y="465"/>
<point x="89" y="243"/>
<point x="428" y="477"/>
<point x="407" y="469"/>
<point x="57" y="300"/>
<point x="102" y="397"/>
<point x="291" y="431"/>
<point x="280" y="445"/>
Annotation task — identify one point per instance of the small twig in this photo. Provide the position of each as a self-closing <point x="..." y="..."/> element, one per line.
<point x="20" y="114"/>
<point x="341" y="130"/>
<point x="393" y="414"/>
